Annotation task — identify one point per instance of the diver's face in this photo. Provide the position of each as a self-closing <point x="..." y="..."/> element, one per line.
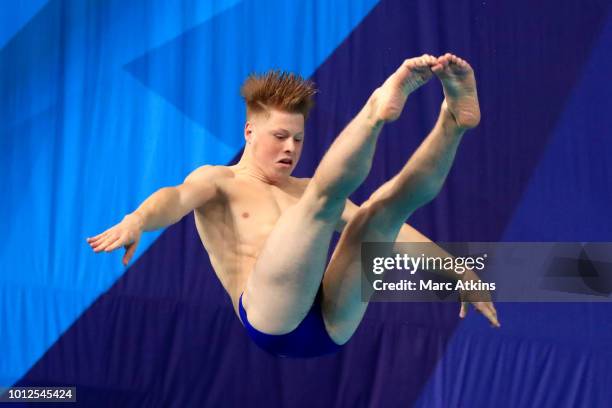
<point x="276" y="139"/>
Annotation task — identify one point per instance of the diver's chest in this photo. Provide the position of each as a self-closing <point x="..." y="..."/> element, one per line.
<point x="261" y="208"/>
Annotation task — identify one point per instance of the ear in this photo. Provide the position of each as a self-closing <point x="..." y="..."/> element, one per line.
<point x="248" y="132"/>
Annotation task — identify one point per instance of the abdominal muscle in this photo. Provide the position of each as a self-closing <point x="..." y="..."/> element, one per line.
<point x="234" y="228"/>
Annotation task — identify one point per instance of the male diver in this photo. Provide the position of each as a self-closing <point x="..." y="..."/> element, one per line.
<point x="268" y="233"/>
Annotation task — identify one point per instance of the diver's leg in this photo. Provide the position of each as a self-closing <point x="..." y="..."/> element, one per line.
<point x="382" y="216"/>
<point x="289" y="269"/>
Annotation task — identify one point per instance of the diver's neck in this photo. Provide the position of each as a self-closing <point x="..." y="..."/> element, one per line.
<point x="247" y="166"/>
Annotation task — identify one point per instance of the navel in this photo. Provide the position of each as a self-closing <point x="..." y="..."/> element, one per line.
<point x="245" y="215"/>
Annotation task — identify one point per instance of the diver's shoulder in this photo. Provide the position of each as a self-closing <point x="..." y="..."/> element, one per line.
<point x="211" y="172"/>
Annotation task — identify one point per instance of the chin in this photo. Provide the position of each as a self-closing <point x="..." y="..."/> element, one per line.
<point x="279" y="176"/>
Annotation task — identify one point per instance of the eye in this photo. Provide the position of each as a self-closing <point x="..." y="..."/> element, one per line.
<point x="279" y="136"/>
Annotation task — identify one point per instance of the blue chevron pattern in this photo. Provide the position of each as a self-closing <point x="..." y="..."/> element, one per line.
<point x="84" y="141"/>
<point x="102" y="102"/>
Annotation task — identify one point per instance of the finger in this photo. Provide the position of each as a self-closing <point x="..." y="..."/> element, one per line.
<point x="97" y="242"/>
<point x="488" y="312"/>
<point x="491" y="306"/>
<point x="130" y="249"/>
<point x="100" y="243"/>
<point x="105" y="235"/>
<point x="464" y="310"/>
<point x="97" y="237"/>
<point x="119" y="242"/>
<point x="494" y="313"/>
<point x="105" y="243"/>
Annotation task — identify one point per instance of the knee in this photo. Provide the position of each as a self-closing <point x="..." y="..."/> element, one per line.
<point x="376" y="221"/>
<point x="365" y="214"/>
<point x="373" y="206"/>
<point x="323" y="207"/>
<point x="368" y="223"/>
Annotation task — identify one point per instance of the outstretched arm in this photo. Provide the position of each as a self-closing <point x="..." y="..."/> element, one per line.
<point x="164" y="207"/>
<point x="408" y="233"/>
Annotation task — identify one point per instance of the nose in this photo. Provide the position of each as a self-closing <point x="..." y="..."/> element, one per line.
<point x="289" y="146"/>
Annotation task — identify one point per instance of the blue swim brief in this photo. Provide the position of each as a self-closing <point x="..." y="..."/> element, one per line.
<point x="309" y="339"/>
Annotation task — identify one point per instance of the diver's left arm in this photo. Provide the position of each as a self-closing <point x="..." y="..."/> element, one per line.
<point x="410" y="234"/>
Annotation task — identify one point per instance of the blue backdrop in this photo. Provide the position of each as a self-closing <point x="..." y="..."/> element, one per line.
<point x="103" y="102"/>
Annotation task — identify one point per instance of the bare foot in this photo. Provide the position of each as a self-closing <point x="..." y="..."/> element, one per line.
<point x="457" y="77"/>
<point x="390" y="98"/>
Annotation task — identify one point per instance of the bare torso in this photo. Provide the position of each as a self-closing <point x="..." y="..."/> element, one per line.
<point x="234" y="226"/>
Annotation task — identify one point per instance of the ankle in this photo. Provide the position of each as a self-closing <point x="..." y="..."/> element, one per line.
<point x="372" y="111"/>
<point x="449" y="122"/>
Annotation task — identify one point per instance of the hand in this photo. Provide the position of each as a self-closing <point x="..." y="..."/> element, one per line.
<point x="486" y="308"/>
<point x="125" y="234"/>
<point x="481" y="300"/>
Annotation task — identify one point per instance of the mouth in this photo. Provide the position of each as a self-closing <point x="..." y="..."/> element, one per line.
<point x="285" y="162"/>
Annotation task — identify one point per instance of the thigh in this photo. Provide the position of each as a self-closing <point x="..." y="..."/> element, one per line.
<point x="342" y="304"/>
<point x="288" y="271"/>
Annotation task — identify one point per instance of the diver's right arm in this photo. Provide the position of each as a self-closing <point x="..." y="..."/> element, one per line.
<point x="164" y="207"/>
